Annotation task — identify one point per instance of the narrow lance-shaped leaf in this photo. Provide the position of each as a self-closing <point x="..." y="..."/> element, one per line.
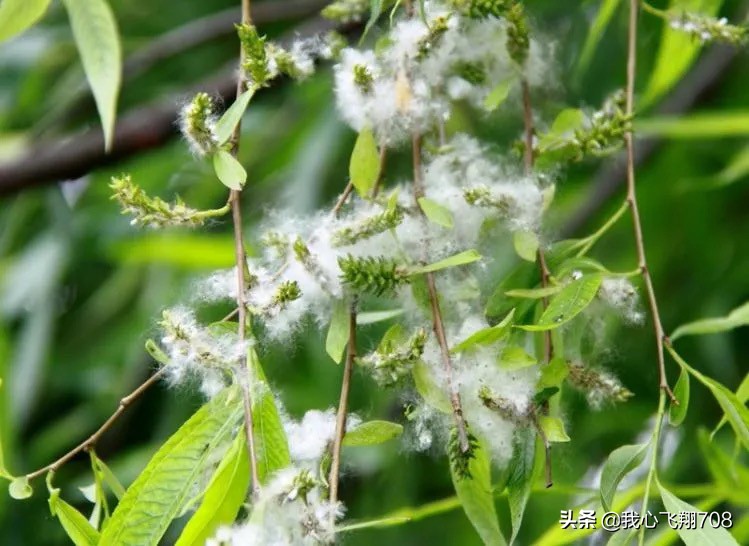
<point x="230" y="119"/>
<point x="372" y="433"/>
<point x="18" y="15"/>
<point x="462" y="258"/>
<point x="523" y="469"/>
<point x="486" y="336"/>
<point x="364" y="167"/>
<point x="605" y="13"/>
<point x="476" y="496"/>
<point x="700" y="125"/>
<point x="677" y="412"/>
<point x="620" y="463"/>
<point x="98" y="42"/>
<point x="223" y="498"/>
<point x="742" y="395"/>
<point x="76" y="526"/>
<point x="160" y="492"/>
<point x="736" y="318"/>
<point x="568" y="303"/>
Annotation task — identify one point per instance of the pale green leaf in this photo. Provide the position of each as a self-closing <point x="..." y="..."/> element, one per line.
<point x="553" y="373"/>
<point x="701" y="535"/>
<point x="364" y="167"/>
<point x="18" y="15"/>
<point x="742" y="394"/>
<point x="605" y="12"/>
<point x="733" y="408"/>
<point x="98" y="43"/>
<point x="428" y="388"/>
<point x="566" y="121"/>
<point x="534" y="293"/>
<point x="338" y="331"/>
<point x="553" y="428"/>
<point x="486" y="336"/>
<point x="526" y="245"/>
<point x="375" y="9"/>
<point x="228" y="170"/>
<point x="677" y="413"/>
<point x="476" y="496"/>
<point x="676" y="52"/>
<point x="620" y="462"/>
<point x="498" y="95"/>
<point x="701" y="125"/>
<point x="178" y="250"/>
<point x="4" y="473"/>
<point x="76" y="526"/>
<point x="463" y="258"/>
<point x="372" y="433"/>
<point x="513" y="357"/>
<point x="736" y="318"/>
<point x="568" y="303"/>
<point x="19" y="488"/>
<point x="436" y="213"/>
<point x="622" y="537"/>
<point x="223" y="497"/>
<point x="372" y="317"/>
<point x="230" y="119"/>
<point x="107" y="476"/>
<point x="523" y="468"/>
<point x="167" y="483"/>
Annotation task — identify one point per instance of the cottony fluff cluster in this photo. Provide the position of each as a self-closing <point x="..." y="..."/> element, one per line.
<point x="708" y="29"/>
<point x="408" y="84"/>
<point x="619" y="293"/>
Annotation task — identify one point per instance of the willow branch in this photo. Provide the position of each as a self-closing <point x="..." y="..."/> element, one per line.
<point x="340" y="424"/>
<point x="241" y="259"/>
<point x="89" y="442"/>
<point x="632" y="199"/>
<point x="437" y="323"/>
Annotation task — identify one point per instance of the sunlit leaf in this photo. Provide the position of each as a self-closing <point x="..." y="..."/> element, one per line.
<point x="534" y="293"/>
<point x="486" y="336"/>
<point x="620" y="462"/>
<point x="364" y="167"/>
<point x="498" y="95"/>
<point x="76" y="526"/>
<point x="428" y="388"/>
<point x="602" y="19"/>
<point x="98" y="42"/>
<point x="568" y="303"/>
<point x="736" y="318"/>
<point x="553" y="428"/>
<point x="526" y="244"/>
<point x="371" y="433"/>
<point x="372" y="317"/>
<point x="338" y="331"/>
<point x="180" y="250"/>
<point x="513" y="357"/>
<point x="228" y="170"/>
<point x="18" y="15"/>
<point x="700" y="125"/>
<point x="230" y="119"/>
<point x="463" y="258"/>
<point x="436" y="213"/>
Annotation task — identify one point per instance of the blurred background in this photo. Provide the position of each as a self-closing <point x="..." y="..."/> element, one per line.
<point x="81" y="290"/>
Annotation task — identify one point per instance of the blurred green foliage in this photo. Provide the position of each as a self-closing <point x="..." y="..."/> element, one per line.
<point x="80" y="289"/>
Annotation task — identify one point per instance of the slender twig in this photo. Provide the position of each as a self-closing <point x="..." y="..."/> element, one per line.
<point x="438" y="325"/>
<point x="528" y="159"/>
<point x="340" y="424"/>
<point x="342" y="199"/>
<point x="89" y="442"/>
<point x="236" y="213"/>
<point x="632" y="199"/>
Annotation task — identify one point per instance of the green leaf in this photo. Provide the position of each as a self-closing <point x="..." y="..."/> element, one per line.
<point x="568" y="303"/>
<point x="271" y="444"/>
<point x="701" y="125"/>
<point x="228" y="170"/>
<point x="4" y="473"/>
<point x="563" y="125"/>
<point x="677" y="51"/>
<point x="167" y="483"/>
<point x="742" y="394"/>
<point x="19" y="488"/>
<point x="522" y="475"/>
<point x="18" y="15"/>
<point x="597" y="28"/>
<point x="534" y="293"/>
<point x="436" y="213"/>
<point x="375" y="9"/>
<point x="76" y="526"/>
<point x="622" y="537"/>
<point x="228" y="122"/>
<point x="676" y="414"/>
<point x="372" y="433"/>
<point x="106" y="475"/>
<point x="98" y="43"/>
<point x="554" y="373"/>
<point x="486" y="336"/>
<point x="428" y="388"/>
<point x="373" y="317"/>
<point x="364" y="167"/>
<point x="621" y="462"/>
<point x="526" y="245"/>
<point x="553" y="428"/>
<point x="702" y="535"/>
<point x="338" y="331"/>
<point x="463" y="258"/>
<point x="178" y="249"/>
<point x="498" y="95"/>
<point x="733" y="408"/>
<point x="223" y="497"/>
<point x="515" y="358"/>
<point x="476" y="496"/>
<point x="736" y="318"/>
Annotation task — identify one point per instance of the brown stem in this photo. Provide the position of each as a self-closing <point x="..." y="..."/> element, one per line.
<point x="632" y="200"/>
<point x="438" y="325"/>
<point x="241" y="260"/>
<point x="342" y="199"/>
<point x="89" y="442"/>
<point x="340" y="425"/>
<point x="528" y="159"/>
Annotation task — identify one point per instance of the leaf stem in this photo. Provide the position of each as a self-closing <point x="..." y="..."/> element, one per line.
<point x="241" y="260"/>
<point x="89" y="442"/>
<point x="340" y="425"/>
<point x="632" y="200"/>
<point x="438" y="325"/>
<point x="592" y="239"/>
